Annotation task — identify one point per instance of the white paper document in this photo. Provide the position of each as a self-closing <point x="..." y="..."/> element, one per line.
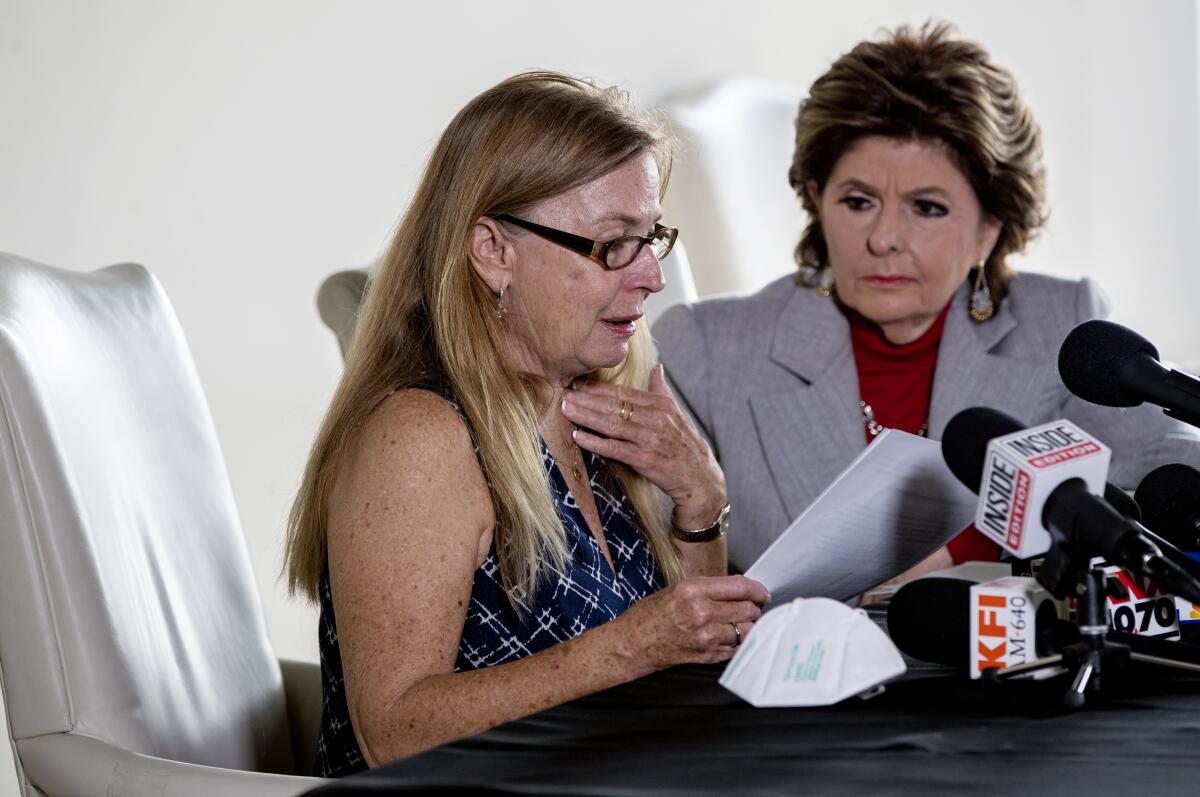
<point x="895" y="504"/>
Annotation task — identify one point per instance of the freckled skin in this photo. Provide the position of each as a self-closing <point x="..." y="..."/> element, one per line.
<point x="411" y="518"/>
<point x="557" y="303"/>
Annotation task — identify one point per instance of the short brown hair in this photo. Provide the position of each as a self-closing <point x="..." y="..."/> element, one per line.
<point x="926" y="84"/>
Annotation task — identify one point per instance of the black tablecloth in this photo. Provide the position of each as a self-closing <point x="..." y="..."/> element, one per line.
<point x="679" y="732"/>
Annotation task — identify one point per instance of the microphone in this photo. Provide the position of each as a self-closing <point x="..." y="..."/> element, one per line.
<point x="1014" y="470"/>
<point x="930" y="619"/>
<point x="1171" y="495"/>
<point x="1123" y="502"/>
<point x="939" y="619"/>
<point x="987" y="424"/>
<point x="1036" y="490"/>
<point x="1111" y="365"/>
<point x="1171" y="498"/>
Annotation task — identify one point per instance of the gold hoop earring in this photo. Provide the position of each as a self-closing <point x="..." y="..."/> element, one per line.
<point x="982" y="306"/>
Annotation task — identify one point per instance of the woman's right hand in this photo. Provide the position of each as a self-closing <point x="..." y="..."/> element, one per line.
<point x="650" y="432"/>
<point x="693" y="621"/>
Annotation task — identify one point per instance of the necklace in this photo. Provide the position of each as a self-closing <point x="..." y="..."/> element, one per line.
<point x="874" y="427"/>
<point x="577" y="464"/>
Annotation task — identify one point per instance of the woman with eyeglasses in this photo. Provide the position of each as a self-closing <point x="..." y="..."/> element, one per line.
<point x="482" y="519"/>
<point x="920" y="169"/>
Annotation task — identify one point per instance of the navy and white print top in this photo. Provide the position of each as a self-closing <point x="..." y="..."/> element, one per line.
<point x="584" y="594"/>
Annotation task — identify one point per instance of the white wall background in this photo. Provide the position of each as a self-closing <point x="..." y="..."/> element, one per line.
<point x="244" y="150"/>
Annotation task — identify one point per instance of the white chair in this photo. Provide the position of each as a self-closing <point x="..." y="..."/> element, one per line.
<point x="133" y="652"/>
<point x="729" y="191"/>
<point x="341" y="293"/>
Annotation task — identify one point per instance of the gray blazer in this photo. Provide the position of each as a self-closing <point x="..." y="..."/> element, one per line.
<point x="770" y="379"/>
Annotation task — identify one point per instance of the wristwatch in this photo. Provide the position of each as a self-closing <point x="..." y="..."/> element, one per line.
<point x="706" y="534"/>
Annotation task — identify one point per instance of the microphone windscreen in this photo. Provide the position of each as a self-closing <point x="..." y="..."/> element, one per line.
<point x="930" y="620"/>
<point x="1170" y="501"/>
<point x="1091" y="359"/>
<point x="965" y="441"/>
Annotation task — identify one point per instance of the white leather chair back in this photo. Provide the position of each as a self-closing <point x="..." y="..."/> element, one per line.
<point x="729" y="192"/>
<point x="128" y="608"/>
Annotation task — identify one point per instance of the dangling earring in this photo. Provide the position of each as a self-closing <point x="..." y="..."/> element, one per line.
<point x="826" y="287"/>
<point x="500" y="311"/>
<point x="982" y="306"/>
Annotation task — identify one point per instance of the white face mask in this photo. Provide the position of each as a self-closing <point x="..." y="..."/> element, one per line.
<point x="812" y="652"/>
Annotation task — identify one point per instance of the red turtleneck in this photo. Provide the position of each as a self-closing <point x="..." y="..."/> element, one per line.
<point x="897" y="381"/>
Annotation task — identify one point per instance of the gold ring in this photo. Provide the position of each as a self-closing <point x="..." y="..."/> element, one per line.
<point x="737" y="633"/>
<point x="626" y="412"/>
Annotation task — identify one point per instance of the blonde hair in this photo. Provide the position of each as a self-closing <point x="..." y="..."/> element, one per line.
<point x="429" y="317"/>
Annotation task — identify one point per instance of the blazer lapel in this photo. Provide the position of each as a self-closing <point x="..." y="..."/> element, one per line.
<point x="971" y="373"/>
<point x="809" y="432"/>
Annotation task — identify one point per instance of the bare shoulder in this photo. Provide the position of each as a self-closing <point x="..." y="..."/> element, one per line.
<point x="412" y="457"/>
<point x="418" y="428"/>
<point x="410" y="520"/>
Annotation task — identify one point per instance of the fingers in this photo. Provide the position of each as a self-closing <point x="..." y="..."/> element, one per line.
<point x="608" y="396"/>
<point x="724" y="599"/>
<point x="698" y="620"/>
<point x="743" y="631"/>
<point x="663" y="439"/>
<point x="612" y="408"/>
<point x="735" y="612"/>
<point x="606" y="414"/>
<point x="733" y="588"/>
<point x="658" y="382"/>
<point x="717" y="622"/>
<point x="608" y="447"/>
<point x="642" y="437"/>
<point x="723" y="640"/>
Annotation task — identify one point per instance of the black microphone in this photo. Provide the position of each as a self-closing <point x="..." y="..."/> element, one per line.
<point x="1111" y="365"/>
<point x="930" y="620"/>
<point x="1070" y="512"/>
<point x="974" y="428"/>
<point x="1123" y="502"/>
<point x="1170" y="496"/>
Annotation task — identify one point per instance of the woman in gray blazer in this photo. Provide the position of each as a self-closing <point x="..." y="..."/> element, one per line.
<point x="920" y="169"/>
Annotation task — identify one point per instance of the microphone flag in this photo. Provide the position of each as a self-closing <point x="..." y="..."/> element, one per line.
<point x="1022" y="469"/>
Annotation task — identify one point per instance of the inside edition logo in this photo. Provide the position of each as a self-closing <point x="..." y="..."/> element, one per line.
<point x="1020" y="472"/>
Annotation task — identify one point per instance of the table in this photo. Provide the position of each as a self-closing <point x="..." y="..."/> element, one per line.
<point x="934" y="731"/>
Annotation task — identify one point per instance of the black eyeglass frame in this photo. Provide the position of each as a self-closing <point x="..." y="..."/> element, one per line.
<point x="595" y="250"/>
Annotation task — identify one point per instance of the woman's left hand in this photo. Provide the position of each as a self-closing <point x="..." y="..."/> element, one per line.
<point x="648" y="431"/>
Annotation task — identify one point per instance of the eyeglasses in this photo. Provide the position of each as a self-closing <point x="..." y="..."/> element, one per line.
<point x="615" y="254"/>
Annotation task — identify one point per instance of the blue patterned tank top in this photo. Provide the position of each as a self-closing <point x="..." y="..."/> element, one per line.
<point x="585" y="593"/>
